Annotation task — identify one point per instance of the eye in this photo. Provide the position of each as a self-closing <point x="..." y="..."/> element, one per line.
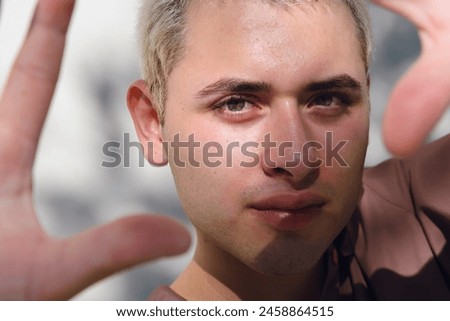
<point x="330" y="104"/>
<point x="331" y="100"/>
<point x="234" y="104"/>
<point x="325" y="100"/>
<point x="237" y="109"/>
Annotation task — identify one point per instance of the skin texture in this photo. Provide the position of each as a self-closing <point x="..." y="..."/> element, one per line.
<point x="419" y="99"/>
<point x="33" y="265"/>
<point x="288" y="49"/>
<point x="75" y="263"/>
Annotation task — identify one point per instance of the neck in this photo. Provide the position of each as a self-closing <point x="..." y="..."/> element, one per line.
<point x="215" y="275"/>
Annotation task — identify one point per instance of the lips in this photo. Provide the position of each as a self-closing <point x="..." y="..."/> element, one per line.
<point x="288" y="211"/>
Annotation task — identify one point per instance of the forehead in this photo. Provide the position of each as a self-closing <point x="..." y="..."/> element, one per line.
<point x="256" y="38"/>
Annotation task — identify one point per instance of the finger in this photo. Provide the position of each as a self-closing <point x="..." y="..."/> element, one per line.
<point x="103" y="251"/>
<point x="416" y="104"/>
<point x="406" y="8"/>
<point x="33" y="78"/>
<point x="429" y="16"/>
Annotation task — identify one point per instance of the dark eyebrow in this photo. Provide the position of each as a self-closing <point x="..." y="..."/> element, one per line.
<point x="234" y="86"/>
<point x="237" y="86"/>
<point x="338" y="82"/>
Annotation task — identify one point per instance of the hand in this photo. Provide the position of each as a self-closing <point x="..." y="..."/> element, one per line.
<point x="422" y="95"/>
<point x="34" y="266"/>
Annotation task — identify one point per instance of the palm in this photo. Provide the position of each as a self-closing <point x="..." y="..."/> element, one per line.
<point x="423" y="94"/>
<point x="35" y="266"/>
<point x="32" y="264"/>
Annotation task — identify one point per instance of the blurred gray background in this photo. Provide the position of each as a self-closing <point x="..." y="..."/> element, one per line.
<point x="74" y="192"/>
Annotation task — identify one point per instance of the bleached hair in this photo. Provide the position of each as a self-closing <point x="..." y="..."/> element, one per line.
<point x="161" y="31"/>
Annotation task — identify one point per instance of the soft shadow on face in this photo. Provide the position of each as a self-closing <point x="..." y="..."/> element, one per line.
<point x="287" y="70"/>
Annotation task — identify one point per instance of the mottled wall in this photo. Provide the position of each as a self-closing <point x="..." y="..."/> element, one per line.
<point x="73" y="191"/>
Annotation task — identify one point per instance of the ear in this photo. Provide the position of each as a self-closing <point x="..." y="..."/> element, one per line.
<point x="146" y="121"/>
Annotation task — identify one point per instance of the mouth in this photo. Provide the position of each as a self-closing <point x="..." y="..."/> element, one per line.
<point x="288" y="212"/>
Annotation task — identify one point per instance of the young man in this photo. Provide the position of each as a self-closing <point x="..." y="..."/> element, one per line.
<point x="394" y="246"/>
<point x="277" y="92"/>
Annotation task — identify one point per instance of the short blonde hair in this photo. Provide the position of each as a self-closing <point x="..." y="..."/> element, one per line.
<point x="161" y="31"/>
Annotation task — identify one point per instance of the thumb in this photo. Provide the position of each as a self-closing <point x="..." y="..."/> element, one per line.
<point x="417" y="103"/>
<point x="96" y="254"/>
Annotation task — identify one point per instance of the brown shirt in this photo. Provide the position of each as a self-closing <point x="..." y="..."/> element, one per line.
<point x="395" y="246"/>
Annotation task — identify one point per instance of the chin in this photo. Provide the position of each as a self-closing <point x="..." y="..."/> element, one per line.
<point x="280" y="259"/>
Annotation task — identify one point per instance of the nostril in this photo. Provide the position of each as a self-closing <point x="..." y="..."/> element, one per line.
<point x="279" y="170"/>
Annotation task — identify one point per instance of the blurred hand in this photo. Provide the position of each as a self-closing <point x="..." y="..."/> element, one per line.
<point x="423" y="94"/>
<point x="34" y="266"/>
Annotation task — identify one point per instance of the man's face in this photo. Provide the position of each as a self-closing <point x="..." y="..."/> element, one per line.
<point x="252" y="69"/>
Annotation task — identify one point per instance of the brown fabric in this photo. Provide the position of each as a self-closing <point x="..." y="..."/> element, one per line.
<point x="164" y="293"/>
<point x="395" y="247"/>
<point x="399" y="234"/>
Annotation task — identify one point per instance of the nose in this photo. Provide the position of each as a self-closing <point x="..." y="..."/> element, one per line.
<point x="288" y="151"/>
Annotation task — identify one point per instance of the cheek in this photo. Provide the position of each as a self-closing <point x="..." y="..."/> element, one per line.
<point x="211" y="193"/>
<point x="344" y="180"/>
<point x="211" y="199"/>
<point x="355" y="132"/>
<point x="344" y="143"/>
<point x="346" y="140"/>
<point x="209" y="190"/>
